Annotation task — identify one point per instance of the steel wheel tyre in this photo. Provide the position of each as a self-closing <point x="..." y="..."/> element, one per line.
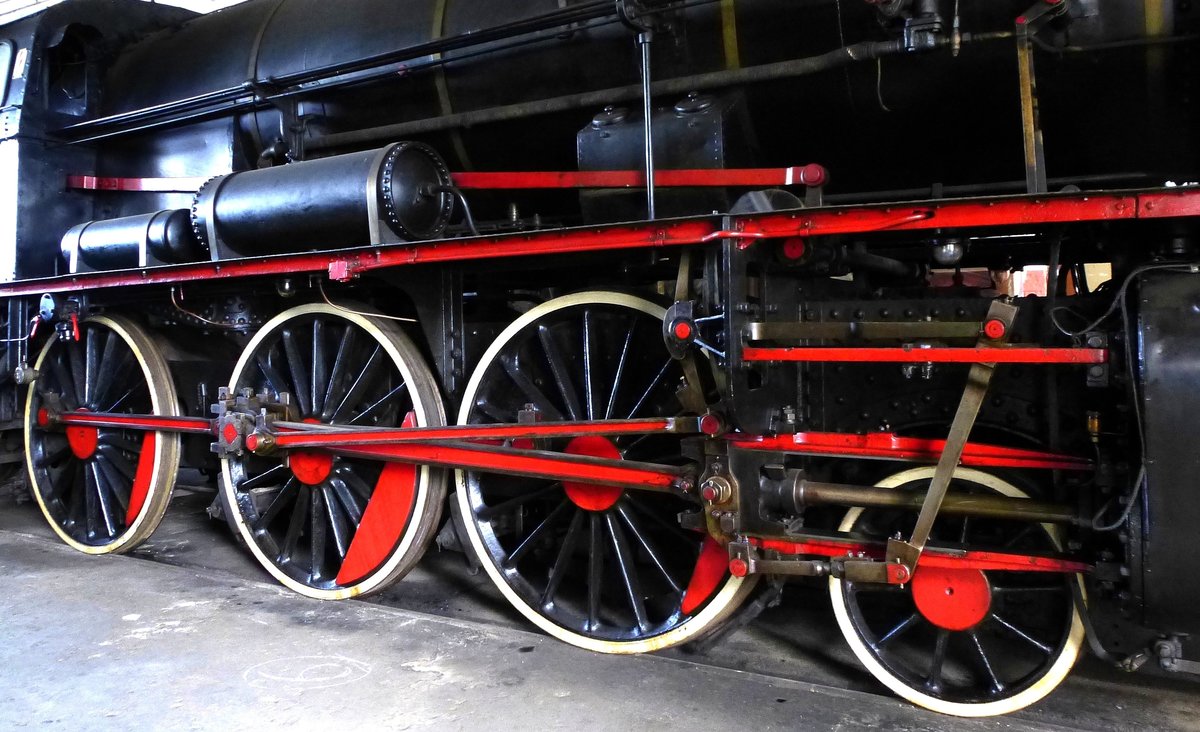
<point x="103" y="490"/>
<point x="600" y="568"/>
<point x="325" y="526"/>
<point x="963" y="642"/>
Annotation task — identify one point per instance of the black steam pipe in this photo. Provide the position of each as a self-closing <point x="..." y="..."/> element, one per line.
<point x="236" y="95"/>
<point x="865" y="51"/>
<point x="202" y="107"/>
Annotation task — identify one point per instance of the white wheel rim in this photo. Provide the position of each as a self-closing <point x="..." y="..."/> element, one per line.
<point x="427" y="476"/>
<point x="164" y="402"/>
<point x="1036" y="691"/>
<point x="718" y="607"/>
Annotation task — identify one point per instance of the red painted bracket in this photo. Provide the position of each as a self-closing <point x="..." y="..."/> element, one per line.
<point x="904" y="354"/>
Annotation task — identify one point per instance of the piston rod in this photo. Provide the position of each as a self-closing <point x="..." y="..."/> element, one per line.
<point x="805" y="493"/>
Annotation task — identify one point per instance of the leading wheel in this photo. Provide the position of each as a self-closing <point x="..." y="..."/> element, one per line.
<point x="962" y="641"/>
<point x="103" y="490"/>
<point x="598" y="567"/>
<point x="332" y="527"/>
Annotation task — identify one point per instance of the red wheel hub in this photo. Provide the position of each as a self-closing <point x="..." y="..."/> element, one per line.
<point x="83" y="440"/>
<point x="586" y="495"/>
<point x="310" y="467"/>
<point x="954" y="599"/>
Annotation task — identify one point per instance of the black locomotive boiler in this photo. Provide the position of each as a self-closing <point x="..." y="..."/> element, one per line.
<point x="652" y="305"/>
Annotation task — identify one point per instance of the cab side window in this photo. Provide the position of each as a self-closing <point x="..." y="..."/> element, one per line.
<point x="6" y="68"/>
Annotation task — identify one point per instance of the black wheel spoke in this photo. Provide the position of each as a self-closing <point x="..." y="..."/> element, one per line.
<point x="338" y="525"/>
<point x="349" y="502"/>
<point x="284" y="497"/>
<point x="1022" y="635"/>
<point x="531" y="392"/>
<point x="356" y="484"/>
<point x="654" y="384"/>
<point x="487" y="513"/>
<point x="996" y="687"/>
<point x="295" y="361"/>
<point x="365" y="379"/>
<point x="106" y="501"/>
<point x="75" y="360"/>
<point x="896" y="631"/>
<point x="933" y="680"/>
<point x="118" y="461"/>
<point x="690" y="539"/>
<point x="295" y="524"/>
<point x="534" y="536"/>
<point x="118" y="403"/>
<point x="492" y="411"/>
<point x="320" y="376"/>
<point x="46" y="456"/>
<point x="558" y="370"/>
<point x="119" y="441"/>
<point x="643" y="540"/>
<point x="78" y="495"/>
<point x="91" y="494"/>
<point x="595" y="572"/>
<point x="115" y="482"/>
<point x="317" y="533"/>
<point x="341" y="366"/>
<point x="379" y="407"/>
<point x="116" y="360"/>
<point x="64" y="381"/>
<point x="91" y="360"/>
<point x="62" y="487"/>
<point x="274" y="379"/>
<point x="589" y="366"/>
<point x="621" y="362"/>
<point x="272" y="476"/>
<point x="628" y="572"/>
<point x="565" y="552"/>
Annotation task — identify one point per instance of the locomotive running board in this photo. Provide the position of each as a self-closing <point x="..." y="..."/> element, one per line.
<point x="945" y="214"/>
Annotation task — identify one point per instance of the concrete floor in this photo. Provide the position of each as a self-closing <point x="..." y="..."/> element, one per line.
<point x="190" y="634"/>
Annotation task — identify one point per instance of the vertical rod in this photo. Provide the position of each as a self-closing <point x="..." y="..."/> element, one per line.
<point x="644" y="40"/>
<point x="1035" y="156"/>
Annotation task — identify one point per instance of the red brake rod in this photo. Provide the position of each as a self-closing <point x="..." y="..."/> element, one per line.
<point x="931" y="557"/>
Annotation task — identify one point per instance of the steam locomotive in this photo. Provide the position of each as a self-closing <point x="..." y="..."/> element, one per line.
<point x="652" y="305"/>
